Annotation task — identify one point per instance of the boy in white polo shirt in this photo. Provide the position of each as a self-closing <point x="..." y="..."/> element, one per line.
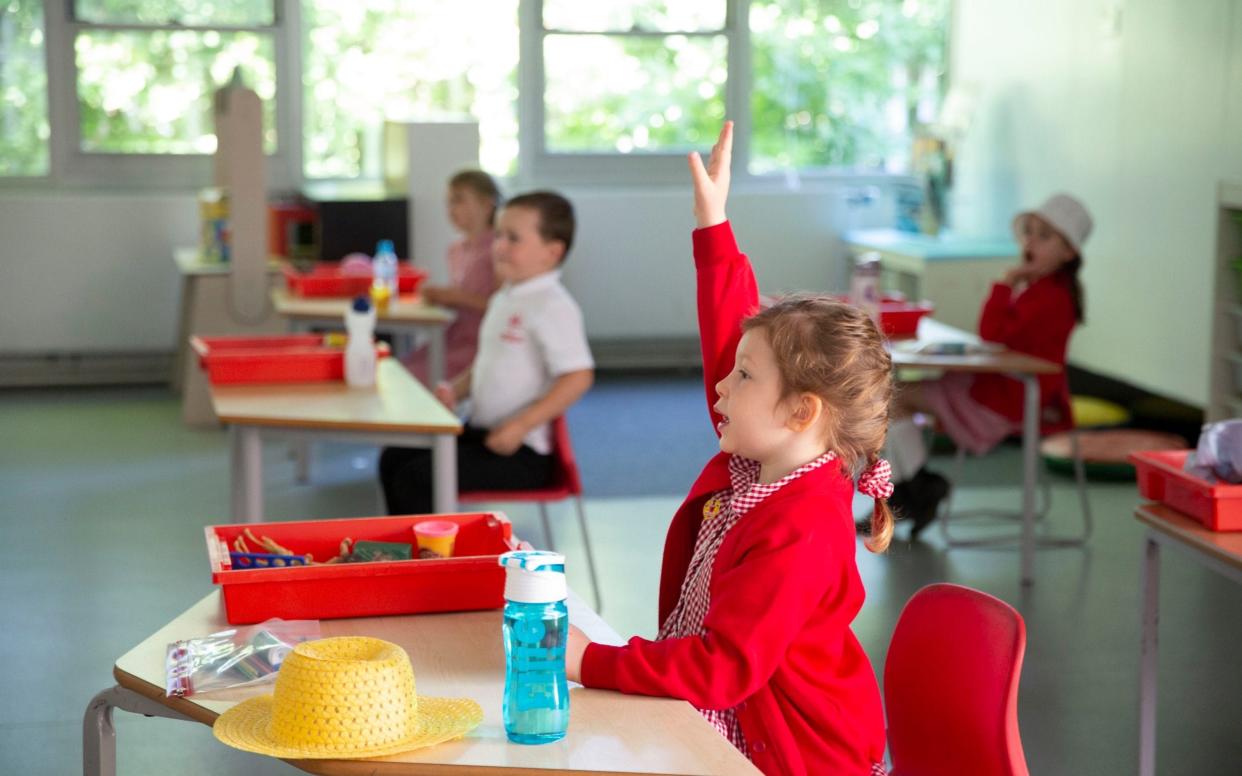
<point x="533" y="363"/>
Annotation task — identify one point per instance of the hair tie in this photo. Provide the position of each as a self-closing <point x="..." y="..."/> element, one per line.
<point x="877" y="481"/>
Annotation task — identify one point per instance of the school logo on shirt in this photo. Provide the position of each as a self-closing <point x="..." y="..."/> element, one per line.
<point x="514" y="332"/>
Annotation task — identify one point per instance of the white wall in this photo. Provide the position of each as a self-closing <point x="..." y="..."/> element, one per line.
<point x="1136" y="107"/>
<point x="93" y="272"/>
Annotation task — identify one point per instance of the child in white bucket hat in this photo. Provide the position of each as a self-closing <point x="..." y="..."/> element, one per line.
<point x="1033" y="309"/>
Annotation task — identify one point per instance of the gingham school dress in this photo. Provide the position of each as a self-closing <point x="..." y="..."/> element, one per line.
<point x="721" y="512"/>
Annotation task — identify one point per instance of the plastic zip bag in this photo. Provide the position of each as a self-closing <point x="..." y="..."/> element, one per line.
<point x="239" y="657"/>
<point x="1219" y="455"/>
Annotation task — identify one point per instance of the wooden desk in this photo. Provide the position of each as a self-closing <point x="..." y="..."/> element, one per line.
<point x="398" y="411"/>
<point x="459" y="654"/>
<point x="1220" y="552"/>
<point x="407" y="315"/>
<point x="1019" y="366"/>
<point x="953" y="272"/>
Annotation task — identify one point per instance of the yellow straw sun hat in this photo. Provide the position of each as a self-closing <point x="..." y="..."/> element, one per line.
<point x="345" y="697"/>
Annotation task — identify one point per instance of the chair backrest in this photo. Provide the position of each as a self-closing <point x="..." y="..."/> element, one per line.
<point x="951" y="685"/>
<point x="566" y="465"/>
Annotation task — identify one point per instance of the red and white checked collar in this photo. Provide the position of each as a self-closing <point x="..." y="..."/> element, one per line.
<point x="721" y="512"/>
<point x="747" y="491"/>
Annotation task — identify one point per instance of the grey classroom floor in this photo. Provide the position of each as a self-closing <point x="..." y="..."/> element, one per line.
<point x="103" y="495"/>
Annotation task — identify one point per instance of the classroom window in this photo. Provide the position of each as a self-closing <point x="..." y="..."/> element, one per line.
<point x="146" y="71"/>
<point x="364" y="62"/>
<point x="842" y="83"/>
<point x="24" y="130"/>
<point x="632" y="77"/>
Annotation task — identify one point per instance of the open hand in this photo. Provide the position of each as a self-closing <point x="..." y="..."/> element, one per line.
<point x="575" y="648"/>
<point x="505" y="439"/>
<point x="711" y="183"/>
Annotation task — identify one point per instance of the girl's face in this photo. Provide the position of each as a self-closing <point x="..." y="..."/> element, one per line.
<point x="469" y="211"/>
<point x="1044" y="250"/>
<point x="519" y="251"/>
<point x="755" y="423"/>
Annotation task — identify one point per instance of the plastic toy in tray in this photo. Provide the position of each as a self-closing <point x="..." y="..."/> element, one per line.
<point x="265" y="560"/>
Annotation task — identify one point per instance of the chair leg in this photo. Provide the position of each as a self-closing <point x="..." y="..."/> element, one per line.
<point x="1080" y="479"/>
<point x="547" y="527"/>
<point x="586" y="542"/>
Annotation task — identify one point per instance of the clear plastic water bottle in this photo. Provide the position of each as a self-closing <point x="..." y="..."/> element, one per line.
<point x="865" y="285"/>
<point x="360" y="348"/>
<point x="536" y="629"/>
<point x="384" y="274"/>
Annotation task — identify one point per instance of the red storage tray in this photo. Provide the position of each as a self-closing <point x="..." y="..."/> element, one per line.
<point x="326" y="279"/>
<point x="303" y="358"/>
<point x="900" y="319"/>
<point x="1161" y="477"/>
<point x="471" y="579"/>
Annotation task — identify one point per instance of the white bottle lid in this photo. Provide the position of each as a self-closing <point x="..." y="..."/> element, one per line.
<point x="534" y="577"/>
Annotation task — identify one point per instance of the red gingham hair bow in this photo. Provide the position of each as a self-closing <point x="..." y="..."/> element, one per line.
<point x="876" y="481"/>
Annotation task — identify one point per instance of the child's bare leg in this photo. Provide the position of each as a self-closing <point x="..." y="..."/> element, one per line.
<point x="907" y="451"/>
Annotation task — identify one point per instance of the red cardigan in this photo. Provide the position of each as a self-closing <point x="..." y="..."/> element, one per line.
<point x="1037" y="322"/>
<point x="784" y="590"/>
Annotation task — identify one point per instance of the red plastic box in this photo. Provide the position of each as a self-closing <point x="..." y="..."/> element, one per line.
<point x="471" y="579"/>
<point x="326" y="279"/>
<point x="1161" y="477"/>
<point x="304" y="358"/>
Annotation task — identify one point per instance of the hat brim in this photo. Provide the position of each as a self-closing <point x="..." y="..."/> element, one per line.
<point x="246" y="726"/>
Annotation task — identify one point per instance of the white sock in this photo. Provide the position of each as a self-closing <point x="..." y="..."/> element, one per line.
<point x="907" y="452"/>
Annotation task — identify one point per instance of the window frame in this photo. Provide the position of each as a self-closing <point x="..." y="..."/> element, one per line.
<point x="536" y="162"/>
<point x="70" y="165"/>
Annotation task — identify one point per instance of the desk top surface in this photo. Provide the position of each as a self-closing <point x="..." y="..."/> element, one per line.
<point x="943" y="247"/>
<point x="1004" y="361"/>
<point x="189" y="261"/>
<point x="461" y="654"/>
<point x="407" y="309"/>
<point x="396" y="403"/>
<point x="1225" y="546"/>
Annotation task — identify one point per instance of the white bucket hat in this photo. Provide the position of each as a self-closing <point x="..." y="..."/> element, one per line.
<point x="1066" y="214"/>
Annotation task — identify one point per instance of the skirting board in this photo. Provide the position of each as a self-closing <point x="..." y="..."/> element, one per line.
<point x="84" y="368"/>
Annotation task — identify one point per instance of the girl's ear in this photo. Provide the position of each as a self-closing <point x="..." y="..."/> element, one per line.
<point x="807" y="410"/>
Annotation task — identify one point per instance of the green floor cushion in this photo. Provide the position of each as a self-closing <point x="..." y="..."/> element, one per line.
<point x="1104" y="451"/>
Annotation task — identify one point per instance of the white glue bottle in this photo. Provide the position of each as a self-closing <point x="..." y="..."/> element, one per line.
<point x="360" y="349"/>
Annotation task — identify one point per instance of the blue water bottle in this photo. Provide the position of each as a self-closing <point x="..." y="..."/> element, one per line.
<point x="536" y="628"/>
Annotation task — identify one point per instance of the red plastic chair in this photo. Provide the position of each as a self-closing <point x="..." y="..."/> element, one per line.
<point x="951" y="685"/>
<point x="566" y="483"/>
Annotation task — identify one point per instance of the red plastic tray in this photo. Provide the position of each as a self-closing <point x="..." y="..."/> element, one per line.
<point x="300" y="358"/>
<point x="326" y="279"/>
<point x="900" y="319"/>
<point x="471" y="579"/>
<point x="1162" y="478"/>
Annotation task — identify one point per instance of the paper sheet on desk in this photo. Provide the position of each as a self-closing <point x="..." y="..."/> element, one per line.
<point x="585" y="618"/>
<point x="925" y="348"/>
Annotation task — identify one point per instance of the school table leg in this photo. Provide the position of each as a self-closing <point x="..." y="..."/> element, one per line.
<point x="444" y="472"/>
<point x="437" y="355"/>
<point x="1030" y="474"/>
<point x="247" y="481"/>
<point x="98" y="733"/>
<point x="1149" y="584"/>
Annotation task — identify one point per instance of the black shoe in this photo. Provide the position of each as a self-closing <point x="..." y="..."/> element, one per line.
<point x="928" y="490"/>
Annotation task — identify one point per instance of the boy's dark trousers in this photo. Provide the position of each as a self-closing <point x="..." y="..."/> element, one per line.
<point x="405" y="473"/>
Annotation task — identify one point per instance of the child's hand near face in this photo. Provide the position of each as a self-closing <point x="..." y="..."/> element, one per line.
<point x="574" y="650"/>
<point x="711" y="183"/>
<point x="1019" y="276"/>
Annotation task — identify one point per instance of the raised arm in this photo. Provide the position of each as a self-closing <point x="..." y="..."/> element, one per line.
<point x="727" y="292"/>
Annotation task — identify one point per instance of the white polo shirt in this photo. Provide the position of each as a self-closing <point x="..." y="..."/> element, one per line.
<point x="531" y="334"/>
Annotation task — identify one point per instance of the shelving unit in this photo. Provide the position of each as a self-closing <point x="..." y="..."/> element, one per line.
<point x="1226" y="390"/>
